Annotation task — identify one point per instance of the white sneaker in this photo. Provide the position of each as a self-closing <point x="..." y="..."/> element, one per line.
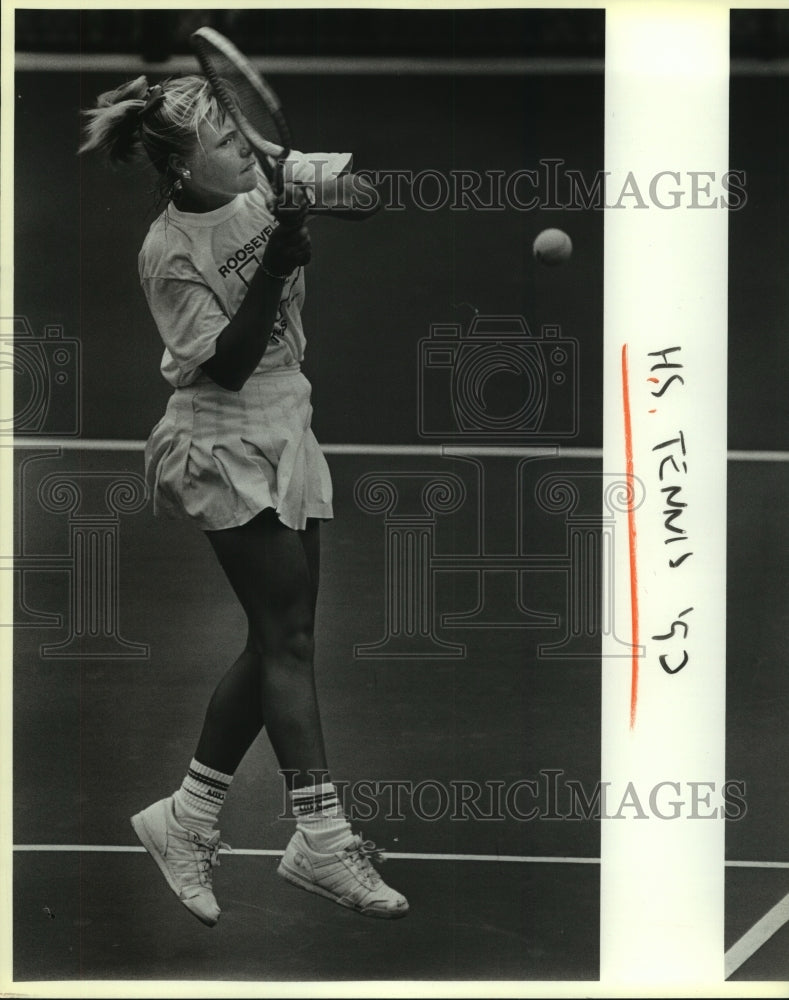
<point x="347" y="876"/>
<point x="184" y="857"/>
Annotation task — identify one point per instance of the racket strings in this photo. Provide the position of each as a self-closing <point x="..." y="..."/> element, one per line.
<point x="236" y="90"/>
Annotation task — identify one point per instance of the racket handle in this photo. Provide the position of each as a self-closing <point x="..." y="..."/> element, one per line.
<point x="279" y="175"/>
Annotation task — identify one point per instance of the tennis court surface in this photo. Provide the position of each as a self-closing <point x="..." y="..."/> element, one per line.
<point x="453" y="685"/>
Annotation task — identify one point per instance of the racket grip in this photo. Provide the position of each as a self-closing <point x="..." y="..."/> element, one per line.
<point x="279" y="176"/>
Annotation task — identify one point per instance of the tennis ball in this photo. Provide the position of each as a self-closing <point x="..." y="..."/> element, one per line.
<point x="552" y="246"/>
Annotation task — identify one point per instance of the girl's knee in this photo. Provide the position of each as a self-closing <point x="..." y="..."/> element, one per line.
<point x="288" y="640"/>
<point x="298" y="646"/>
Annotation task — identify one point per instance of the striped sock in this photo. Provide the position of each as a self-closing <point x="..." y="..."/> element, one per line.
<point x="319" y="816"/>
<point x="200" y="797"/>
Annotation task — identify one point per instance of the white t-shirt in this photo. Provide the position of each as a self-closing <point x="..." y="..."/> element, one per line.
<point x="195" y="269"/>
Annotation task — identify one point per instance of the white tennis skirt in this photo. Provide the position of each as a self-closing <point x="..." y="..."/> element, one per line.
<point x="218" y="457"/>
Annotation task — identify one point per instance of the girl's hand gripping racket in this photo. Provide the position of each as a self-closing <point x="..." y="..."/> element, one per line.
<point x="258" y="115"/>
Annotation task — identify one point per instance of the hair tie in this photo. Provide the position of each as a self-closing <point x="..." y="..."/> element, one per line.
<point x="153" y="98"/>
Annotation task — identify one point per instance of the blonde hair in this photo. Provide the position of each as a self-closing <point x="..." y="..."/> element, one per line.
<point x="136" y="120"/>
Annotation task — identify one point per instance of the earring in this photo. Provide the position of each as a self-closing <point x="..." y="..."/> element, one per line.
<point x="186" y="174"/>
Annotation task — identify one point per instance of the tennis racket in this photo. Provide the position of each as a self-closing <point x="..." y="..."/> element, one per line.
<point x="256" y="110"/>
<point x="248" y="99"/>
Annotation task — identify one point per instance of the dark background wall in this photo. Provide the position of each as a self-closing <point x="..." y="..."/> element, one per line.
<point x="759" y="265"/>
<point x="353" y="31"/>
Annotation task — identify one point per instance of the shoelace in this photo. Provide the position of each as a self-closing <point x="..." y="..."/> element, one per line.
<point x="363" y="853"/>
<point x="209" y="856"/>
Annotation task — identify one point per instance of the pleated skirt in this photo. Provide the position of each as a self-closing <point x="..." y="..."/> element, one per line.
<point x="218" y="458"/>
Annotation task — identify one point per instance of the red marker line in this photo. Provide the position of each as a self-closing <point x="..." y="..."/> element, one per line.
<point x="631" y="533"/>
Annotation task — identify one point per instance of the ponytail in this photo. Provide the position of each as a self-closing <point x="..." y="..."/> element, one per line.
<point x="158" y="121"/>
<point x="113" y="126"/>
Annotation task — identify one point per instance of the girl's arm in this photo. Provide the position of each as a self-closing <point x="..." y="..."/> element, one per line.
<point x="242" y="343"/>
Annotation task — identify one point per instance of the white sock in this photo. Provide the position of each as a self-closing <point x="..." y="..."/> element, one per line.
<point x="200" y="797"/>
<point x="320" y="818"/>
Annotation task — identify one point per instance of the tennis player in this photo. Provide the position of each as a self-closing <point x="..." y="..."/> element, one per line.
<point x="222" y="269"/>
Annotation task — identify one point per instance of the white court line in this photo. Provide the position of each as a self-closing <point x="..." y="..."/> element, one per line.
<point x="353" y="65"/>
<point x="758" y="456"/>
<point x="255" y="852"/>
<point x="76" y="444"/>
<point x="760" y="67"/>
<point x="757" y="864"/>
<point x="753" y="939"/>
<point x="402" y="856"/>
<point x="356" y="65"/>
<point x="421" y="450"/>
